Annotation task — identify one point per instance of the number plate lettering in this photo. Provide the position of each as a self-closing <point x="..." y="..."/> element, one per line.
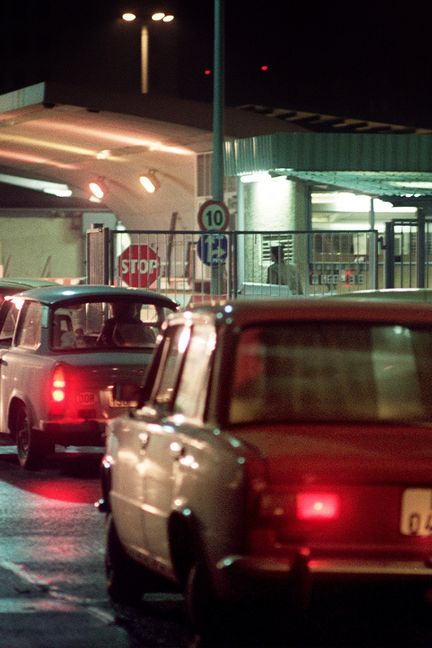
<point x="416" y="512"/>
<point x="85" y="398"/>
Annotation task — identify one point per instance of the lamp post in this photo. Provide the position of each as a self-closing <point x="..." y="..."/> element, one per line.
<point x="159" y="16"/>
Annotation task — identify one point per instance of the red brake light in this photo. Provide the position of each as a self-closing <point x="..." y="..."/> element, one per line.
<point x="58" y="384"/>
<point x="58" y="390"/>
<point x="317" y="506"/>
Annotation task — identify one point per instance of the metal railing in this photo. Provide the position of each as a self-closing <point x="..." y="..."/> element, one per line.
<point x="193" y="266"/>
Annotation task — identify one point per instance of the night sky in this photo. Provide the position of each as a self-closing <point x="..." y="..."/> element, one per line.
<point x="368" y="60"/>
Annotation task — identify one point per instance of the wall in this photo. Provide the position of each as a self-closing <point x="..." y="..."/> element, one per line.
<point x="46" y="244"/>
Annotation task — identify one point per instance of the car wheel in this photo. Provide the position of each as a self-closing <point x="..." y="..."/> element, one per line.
<point x="204" y="611"/>
<point x="30" y="449"/>
<point x="123" y="575"/>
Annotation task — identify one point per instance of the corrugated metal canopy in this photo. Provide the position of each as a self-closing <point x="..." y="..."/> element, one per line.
<point x="382" y="165"/>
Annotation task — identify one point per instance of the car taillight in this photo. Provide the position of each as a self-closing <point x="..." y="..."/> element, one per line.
<point x="317" y="506"/>
<point x="58" y="390"/>
<point x="303" y="505"/>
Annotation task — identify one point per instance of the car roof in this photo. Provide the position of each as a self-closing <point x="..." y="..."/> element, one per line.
<point x="247" y="311"/>
<point x="59" y="293"/>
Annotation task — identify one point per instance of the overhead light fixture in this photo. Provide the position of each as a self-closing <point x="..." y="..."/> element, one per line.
<point x="150" y="182"/>
<point x="98" y="188"/>
<point x="415" y="184"/>
<point x="160" y="15"/>
<point x="255" y="177"/>
<point x="55" y="188"/>
<point x="128" y="16"/>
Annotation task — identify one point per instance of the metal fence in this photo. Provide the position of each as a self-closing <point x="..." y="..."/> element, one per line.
<point x="407" y="253"/>
<point x="193" y="266"/>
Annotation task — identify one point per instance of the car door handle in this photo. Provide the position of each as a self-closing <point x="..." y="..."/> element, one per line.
<point x="177" y="450"/>
<point x="144" y="438"/>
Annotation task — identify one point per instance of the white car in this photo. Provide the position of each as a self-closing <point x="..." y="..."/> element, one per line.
<point x="62" y="377"/>
<point x="277" y="445"/>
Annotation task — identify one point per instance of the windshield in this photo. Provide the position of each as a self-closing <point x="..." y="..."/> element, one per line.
<point x="121" y="323"/>
<point x="328" y="371"/>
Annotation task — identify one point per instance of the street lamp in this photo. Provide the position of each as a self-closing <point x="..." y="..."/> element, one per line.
<point x="159" y="16"/>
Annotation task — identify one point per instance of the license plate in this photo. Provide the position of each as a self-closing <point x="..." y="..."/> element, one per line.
<point x="416" y="512"/>
<point x="124" y="396"/>
<point x="86" y="398"/>
<point x="122" y="403"/>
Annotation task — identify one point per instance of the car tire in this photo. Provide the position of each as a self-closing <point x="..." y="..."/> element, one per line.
<point x="123" y="575"/>
<point x="203" y="610"/>
<point x="31" y="450"/>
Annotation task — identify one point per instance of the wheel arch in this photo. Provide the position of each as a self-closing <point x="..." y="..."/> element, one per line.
<point x="15" y="405"/>
<point x="184" y="542"/>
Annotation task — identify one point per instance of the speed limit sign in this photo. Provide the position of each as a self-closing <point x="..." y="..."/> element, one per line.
<point x="213" y="216"/>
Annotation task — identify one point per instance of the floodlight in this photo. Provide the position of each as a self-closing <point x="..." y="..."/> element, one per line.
<point x="149" y="181"/>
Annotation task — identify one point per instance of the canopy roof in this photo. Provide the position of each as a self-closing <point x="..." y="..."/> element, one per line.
<point x="67" y="134"/>
<point x="382" y="165"/>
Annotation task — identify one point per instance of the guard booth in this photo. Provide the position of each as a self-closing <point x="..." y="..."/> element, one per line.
<point x="193" y="266"/>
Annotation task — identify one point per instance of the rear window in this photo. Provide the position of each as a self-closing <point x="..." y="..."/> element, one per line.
<point x="315" y="371"/>
<point x="90" y="324"/>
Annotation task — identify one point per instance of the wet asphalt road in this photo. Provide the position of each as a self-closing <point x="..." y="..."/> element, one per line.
<point x="52" y="586"/>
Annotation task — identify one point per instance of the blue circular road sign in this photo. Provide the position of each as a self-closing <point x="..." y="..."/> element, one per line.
<point x="212" y="248"/>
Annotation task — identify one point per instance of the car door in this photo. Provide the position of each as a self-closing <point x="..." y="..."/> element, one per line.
<point x="19" y="368"/>
<point x="129" y="441"/>
<point x="8" y="317"/>
<point x="179" y="398"/>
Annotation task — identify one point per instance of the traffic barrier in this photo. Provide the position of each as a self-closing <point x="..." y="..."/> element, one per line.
<point x="65" y="281"/>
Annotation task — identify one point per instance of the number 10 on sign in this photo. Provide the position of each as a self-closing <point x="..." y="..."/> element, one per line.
<point x="213" y="216"/>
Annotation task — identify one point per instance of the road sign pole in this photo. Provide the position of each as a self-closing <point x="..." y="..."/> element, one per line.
<point x="218" y="104"/>
<point x="218" y="130"/>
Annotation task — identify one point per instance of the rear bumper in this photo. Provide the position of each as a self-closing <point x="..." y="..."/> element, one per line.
<point x="294" y="576"/>
<point x="79" y="433"/>
<point x="258" y="577"/>
<point x="370" y="569"/>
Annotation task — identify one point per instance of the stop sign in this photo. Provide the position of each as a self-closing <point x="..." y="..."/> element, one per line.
<point x="139" y="266"/>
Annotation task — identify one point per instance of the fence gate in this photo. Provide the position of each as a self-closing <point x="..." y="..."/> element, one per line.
<point x="407" y="257"/>
<point x="191" y="266"/>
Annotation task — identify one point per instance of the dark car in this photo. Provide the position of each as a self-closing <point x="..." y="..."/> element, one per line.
<point x="278" y="446"/>
<point x="62" y="375"/>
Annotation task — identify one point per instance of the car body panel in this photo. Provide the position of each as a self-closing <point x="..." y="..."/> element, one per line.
<point x="404" y="294"/>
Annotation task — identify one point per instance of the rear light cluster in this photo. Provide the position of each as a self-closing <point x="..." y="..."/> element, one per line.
<point x="57" y="391"/>
<point x="304" y="505"/>
<point x="289" y="518"/>
<point x="317" y="506"/>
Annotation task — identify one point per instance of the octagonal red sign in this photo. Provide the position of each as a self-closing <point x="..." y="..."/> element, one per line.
<point x="139" y="266"/>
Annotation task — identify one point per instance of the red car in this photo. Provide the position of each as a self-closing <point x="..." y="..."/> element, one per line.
<point x="277" y="446"/>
